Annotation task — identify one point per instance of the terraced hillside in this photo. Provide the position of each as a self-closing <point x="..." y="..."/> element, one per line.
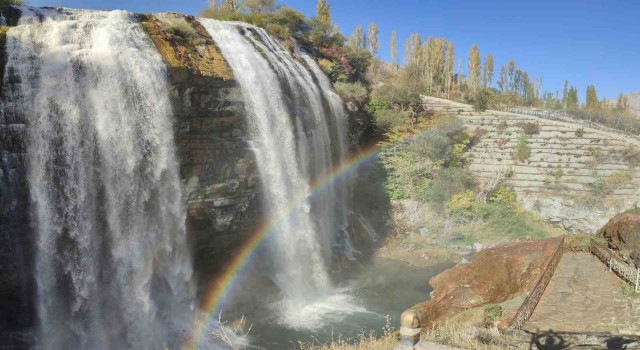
<point x="570" y="173"/>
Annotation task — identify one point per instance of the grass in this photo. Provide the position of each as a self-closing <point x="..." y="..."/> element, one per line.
<point x="365" y="341"/>
<point x="629" y="291"/>
<point x="460" y="335"/>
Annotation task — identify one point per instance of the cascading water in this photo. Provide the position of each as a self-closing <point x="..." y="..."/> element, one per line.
<point x="297" y="123"/>
<point x="113" y="268"/>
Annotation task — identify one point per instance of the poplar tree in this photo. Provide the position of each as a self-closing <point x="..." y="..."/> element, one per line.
<point x="230" y="5"/>
<point x="394" y="49"/>
<point x="565" y="93"/>
<point x="260" y="6"/>
<point x="449" y="67"/>
<point x="512" y="75"/>
<point x="474" y="68"/>
<point x="356" y="41"/>
<point x="436" y="60"/>
<point x="503" y="78"/>
<point x="487" y="72"/>
<point x="412" y="48"/>
<point x="592" y="98"/>
<point x="572" y="98"/>
<point x="222" y="9"/>
<point x="426" y="63"/>
<point x="622" y="105"/>
<point x="323" y="16"/>
<point x="372" y="37"/>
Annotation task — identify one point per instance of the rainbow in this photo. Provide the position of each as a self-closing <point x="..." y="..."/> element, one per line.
<point x="221" y="288"/>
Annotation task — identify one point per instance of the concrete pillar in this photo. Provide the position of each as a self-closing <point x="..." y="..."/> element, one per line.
<point x="409" y="330"/>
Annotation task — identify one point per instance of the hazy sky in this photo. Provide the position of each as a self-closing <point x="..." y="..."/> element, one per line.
<point x="585" y="41"/>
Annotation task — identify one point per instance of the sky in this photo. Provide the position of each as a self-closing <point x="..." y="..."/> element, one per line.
<point x="583" y="41"/>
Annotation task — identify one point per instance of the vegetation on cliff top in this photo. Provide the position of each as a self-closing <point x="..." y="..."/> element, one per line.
<point x="5" y="3"/>
<point x="423" y="154"/>
<point x="185" y="45"/>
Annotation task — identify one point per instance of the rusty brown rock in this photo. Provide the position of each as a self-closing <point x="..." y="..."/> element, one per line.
<point x="495" y="275"/>
<point x="622" y="233"/>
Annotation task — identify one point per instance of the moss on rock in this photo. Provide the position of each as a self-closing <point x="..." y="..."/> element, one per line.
<point x="3" y="52"/>
<point x="185" y="45"/>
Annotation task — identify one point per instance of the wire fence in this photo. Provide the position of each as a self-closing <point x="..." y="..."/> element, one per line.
<point x="620" y="267"/>
<point x="531" y="301"/>
<point x="616" y="265"/>
<point x="563" y="116"/>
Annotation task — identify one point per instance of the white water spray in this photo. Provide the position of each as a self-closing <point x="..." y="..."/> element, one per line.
<point x="113" y="269"/>
<point x="298" y="124"/>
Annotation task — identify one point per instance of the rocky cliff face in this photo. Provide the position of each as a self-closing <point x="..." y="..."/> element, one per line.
<point x="217" y="166"/>
<point x="218" y="170"/>
<point x="16" y="241"/>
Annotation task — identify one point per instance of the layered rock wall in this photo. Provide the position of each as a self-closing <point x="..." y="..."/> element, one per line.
<point x="217" y="165"/>
<point x="16" y="240"/>
<point x="576" y="176"/>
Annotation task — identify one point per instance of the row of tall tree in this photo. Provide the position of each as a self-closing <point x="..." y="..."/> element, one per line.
<point x="432" y="61"/>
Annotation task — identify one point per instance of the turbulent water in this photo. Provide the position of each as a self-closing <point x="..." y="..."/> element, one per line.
<point x="112" y="269"/>
<point x="296" y="122"/>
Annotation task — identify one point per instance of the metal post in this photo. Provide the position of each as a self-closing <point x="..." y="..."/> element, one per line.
<point x="609" y="264"/>
<point x="409" y="330"/>
<point x="637" y="279"/>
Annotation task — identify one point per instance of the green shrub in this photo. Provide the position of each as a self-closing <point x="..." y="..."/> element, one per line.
<point x="476" y="136"/>
<point x="579" y="132"/>
<point x="482" y="100"/>
<point x="504" y="196"/>
<point x="446" y="183"/>
<point x="181" y="29"/>
<point x="377" y="103"/>
<point x="530" y="128"/>
<point x="558" y="173"/>
<point x="605" y="185"/>
<point x="510" y="223"/>
<point x="444" y="145"/>
<point x="388" y="119"/>
<point x="5" y="3"/>
<point x="631" y="155"/>
<point x="492" y="313"/>
<point x="522" y="151"/>
<point x="351" y="92"/>
<point x="462" y="204"/>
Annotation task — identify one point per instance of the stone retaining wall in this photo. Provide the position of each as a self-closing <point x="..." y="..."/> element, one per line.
<point x="577" y="175"/>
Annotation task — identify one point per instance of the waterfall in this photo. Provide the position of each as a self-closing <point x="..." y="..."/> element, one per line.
<point x="297" y="124"/>
<point x="113" y="269"/>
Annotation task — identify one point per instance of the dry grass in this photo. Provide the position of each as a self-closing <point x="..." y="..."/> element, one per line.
<point x="365" y="341"/>
<point x="461" y="336"/>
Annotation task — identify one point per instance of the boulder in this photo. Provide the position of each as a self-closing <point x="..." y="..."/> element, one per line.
<point x="622" y="233"/>
<point x="496" y="275"/>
